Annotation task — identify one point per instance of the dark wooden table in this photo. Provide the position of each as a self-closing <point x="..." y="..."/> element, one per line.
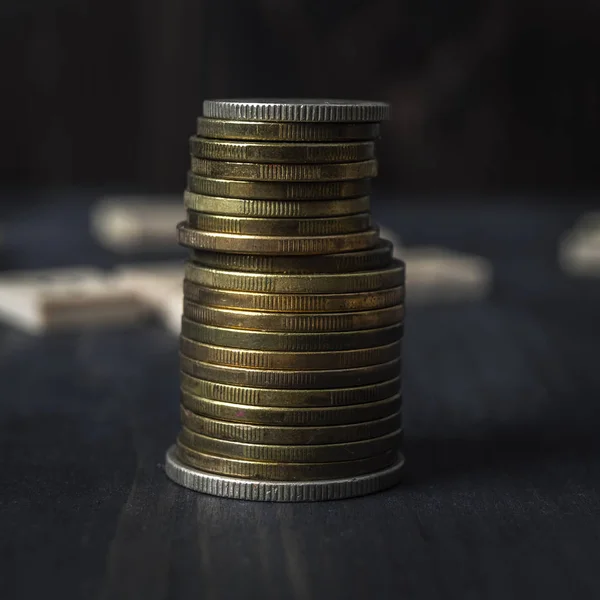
<point x="500" y="498"/>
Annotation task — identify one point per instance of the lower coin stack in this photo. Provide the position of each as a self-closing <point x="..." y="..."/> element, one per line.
<point x="290" y="344"/>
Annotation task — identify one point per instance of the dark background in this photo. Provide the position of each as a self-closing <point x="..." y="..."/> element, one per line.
<point x="487" y="96"/>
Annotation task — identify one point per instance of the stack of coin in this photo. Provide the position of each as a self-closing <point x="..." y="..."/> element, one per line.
<point x="293" y="306"/>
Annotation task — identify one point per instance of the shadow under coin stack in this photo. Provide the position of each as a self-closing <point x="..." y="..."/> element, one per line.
<point x="293" y="309"/>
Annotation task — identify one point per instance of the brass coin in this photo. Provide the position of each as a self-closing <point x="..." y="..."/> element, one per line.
<point x="283" y="471"/>
<point x="295" y="361"/>
<point x="268" y="434"/>
<point x="297" y="110"/>
<point x="281" y="378"/>
<point x="290" y="453"/>
<point x="346" y="262"/>
<point x="295" y="302"/>
<point x="261" y="244"/>
<point x="278" y="226"/>
<point x="244" y="171"/>
<point x="277" y="190"/>
<point x="282" y="417"/>
<point x="286" y="132"/>
<point x="286" y="209"/>
<point x="312" y="324"/>
<point x="261" y="397"/>
<point x="318" y="283"/>
<point x="286" y="152"/>
<point x="290" y="341"/>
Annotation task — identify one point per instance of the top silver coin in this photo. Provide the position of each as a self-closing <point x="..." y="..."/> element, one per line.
<point x="297" y="110"/>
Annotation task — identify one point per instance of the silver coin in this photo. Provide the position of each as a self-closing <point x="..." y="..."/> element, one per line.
<point x="297" y="110"/>
<point x="282" y="491"/>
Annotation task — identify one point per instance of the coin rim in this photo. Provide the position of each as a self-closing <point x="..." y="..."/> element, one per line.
<point x="259" y="490"/>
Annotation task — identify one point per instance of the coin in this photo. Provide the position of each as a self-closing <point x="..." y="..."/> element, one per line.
<point x="286" y="152"/>
<point x="295" y="361"/>
<point x="323" y="110"/>
<point x="277" y="190"/>
<point x="283" y="471"/>
<point x="290" y="341"/>
<point x="268" y="434"/>
<point x="289" y="209"/>
<point x="317" y="283"/>
<point x="268" y="415"/>
<point x="289" y="398"/>
<point x="294" y="302"/>
<point x="294" y="322"/>
<point x="346" y="262"/>
<point x="290" y="453"/>
<point x="279" y="226"/>
<point x="227" y="242"/>
<point x="280" y="378"/>
<point x="246" y="171"/>
<point x="286" y="132"/>
<point x="281" y="491"/>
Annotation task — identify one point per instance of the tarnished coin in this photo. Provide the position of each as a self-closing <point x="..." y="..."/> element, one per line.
<point x="284" y="209"/>
<point x="270" y="359"/>
<point x="268" y="434"/>
<point x="280" y="378"/>
<point x="279" y="227"/>
<point x="296" y="399"/>
<point x="307" y="490"/>
<point x="290" y="341"/>
<point x="286" y="132"/>
<point x="246" y="171"/>
<point x="281" y="417"/>
<point x="318" y="283"/>
<point x="294" y="302"/>
<point x="312" y="324"/>
<point x="277" y="190"/>
<point x="346" y="262"/>
<point x="306" y="453"/>
<point x="283" y="471"/>
<point x="263" y="244"/>
<point x="286" y="152"/>
<point x="319" y="110"/>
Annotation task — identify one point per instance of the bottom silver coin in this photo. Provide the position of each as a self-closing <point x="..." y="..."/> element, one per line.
<point x="281" y="491"/>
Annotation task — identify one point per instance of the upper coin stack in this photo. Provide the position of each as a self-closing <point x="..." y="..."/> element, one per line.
<point x="294" y="307"/>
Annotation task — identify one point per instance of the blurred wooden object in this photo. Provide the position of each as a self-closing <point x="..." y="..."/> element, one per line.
<point x="136" y="224"/>
<point x="579" y="249"/>
<point x="439" y="275"/>
<point x="40" y="301"/>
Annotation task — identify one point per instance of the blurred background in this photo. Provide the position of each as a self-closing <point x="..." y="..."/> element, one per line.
<point x="488" y="96"/>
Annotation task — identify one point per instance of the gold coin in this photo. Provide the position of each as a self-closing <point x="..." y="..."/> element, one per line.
<point x="295" y="361"/>
<point x="295" y="302"/>
<point x="286" y="152"/>
<point x="276" y="190"/>
<point x="288" y="209"/>
<point x="286" y="132"/>
<point x="282" y="417"/>
<point x="283" y="471"/>
<point x="268" y="434"/>
<point x="262" y="244"/>
<point x="288" y="398"/>
<point x="281" y="378"/>
<point x="346" y="262"/>
<point x="294" y="322"/>
<point x="290" y="341"/>
<point x="290" y="453"/>
<point x="317" y="283"/>
<point x="245" y="171"/>
<point x="278" y="226"/>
